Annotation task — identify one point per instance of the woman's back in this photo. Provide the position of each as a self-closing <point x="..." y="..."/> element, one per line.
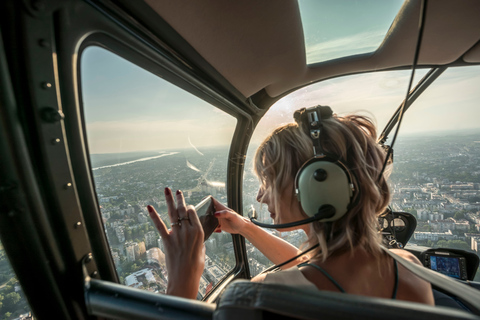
<point x="362" y="274"/>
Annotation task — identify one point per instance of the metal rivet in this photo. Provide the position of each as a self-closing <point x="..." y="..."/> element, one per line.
<point x="44" y="43"/>
<point x="93" y="274"/>
<point x="56" y="141"/>
<point x="46" y="85"/>
<point x="88" y="258"/>
<point x="67" y="186"/>
<point x="51" y="115"/>
<point x="78" y="224"/>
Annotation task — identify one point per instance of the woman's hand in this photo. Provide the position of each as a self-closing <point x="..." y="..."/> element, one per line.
<point x="184" y="249"/>
<point x="274" y="248"/>
<point x="230" y="221"/>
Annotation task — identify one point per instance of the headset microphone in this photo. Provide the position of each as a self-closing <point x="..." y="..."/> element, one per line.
<point x="325" y="211"/>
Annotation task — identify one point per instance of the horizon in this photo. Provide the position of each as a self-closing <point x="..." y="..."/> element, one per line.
<point x="410" y="135"/>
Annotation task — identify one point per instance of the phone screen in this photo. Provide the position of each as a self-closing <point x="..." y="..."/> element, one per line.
<point x="205" y="211"/>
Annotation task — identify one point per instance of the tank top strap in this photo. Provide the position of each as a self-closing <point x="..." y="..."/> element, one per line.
<point x="395" y="288"/>
<point x="339" y="287"/>
<point x="325" y="273"/>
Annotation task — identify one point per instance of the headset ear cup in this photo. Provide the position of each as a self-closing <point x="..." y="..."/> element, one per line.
<point x="321" y="183"/>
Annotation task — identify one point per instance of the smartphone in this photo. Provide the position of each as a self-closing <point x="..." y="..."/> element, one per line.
<point x="205" y="211"/>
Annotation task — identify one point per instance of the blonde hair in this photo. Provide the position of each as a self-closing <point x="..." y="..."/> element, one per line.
<point x="352" y="140"/>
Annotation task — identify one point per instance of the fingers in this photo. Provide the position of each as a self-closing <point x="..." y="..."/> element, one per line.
<point x="195" y="225"/>
<point x="218" y="205"/>
<point x="159" y="224"/>
<point x="222" y="214"/>
<point x="181" y="206"/>
<point x="172" y="210"/>
<point x="189" y="216"/>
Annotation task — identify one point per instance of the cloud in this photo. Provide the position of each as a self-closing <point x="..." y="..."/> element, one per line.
<point x="448" y="104"/>
<point x="355" y="44"/>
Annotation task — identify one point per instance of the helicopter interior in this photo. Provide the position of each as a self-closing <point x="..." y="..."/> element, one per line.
<point x="71" y="213"/>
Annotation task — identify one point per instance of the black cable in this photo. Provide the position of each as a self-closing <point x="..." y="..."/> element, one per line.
<point x="421" y="24"/>
<point x="325" y="211"/>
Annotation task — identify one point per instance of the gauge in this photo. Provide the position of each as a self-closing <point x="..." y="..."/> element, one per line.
<point x="398" y="224"/>
<point x="383" y="223"/>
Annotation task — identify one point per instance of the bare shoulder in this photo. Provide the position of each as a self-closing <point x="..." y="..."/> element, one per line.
<point x="411" y="287"/>
<point x="406" y="255"/>
<point x="259" y="278"/>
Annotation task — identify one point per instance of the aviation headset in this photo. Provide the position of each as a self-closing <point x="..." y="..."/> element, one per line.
<point x="323" y="185"/>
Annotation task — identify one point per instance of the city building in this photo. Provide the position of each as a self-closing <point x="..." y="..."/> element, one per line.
<point x="120" y="232"/>
<point x="140" y="278"/>
<point x="435" y="236"/>
<point x="156" y="256"/>
<point x="140" y="254"/>
<point x="130" y="250"/>
<point x="151" y="238"/>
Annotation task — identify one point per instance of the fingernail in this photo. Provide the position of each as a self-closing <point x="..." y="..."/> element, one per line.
<point x="150" y="209"/>
<point x="218" y="231"/>
<point x="216" y="214"/>
<point x="178" y="192"/>
<point x="167" y="191"/>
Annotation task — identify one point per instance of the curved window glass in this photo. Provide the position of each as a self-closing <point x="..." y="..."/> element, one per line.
<point x="336" y="29"/>
<point x="145" y="134"/>
<point x="436" y="174"/>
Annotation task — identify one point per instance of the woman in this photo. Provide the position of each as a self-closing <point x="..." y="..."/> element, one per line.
<point x="349" y="258"/>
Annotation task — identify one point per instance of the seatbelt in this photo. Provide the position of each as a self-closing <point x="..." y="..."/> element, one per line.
<point x="469" y="296"/>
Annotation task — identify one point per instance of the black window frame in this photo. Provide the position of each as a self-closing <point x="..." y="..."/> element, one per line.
<point x="52" y="201"/>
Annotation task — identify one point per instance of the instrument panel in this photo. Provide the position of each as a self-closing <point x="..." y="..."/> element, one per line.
<point x="396" y="228"/>
<point x="454" y="263"/>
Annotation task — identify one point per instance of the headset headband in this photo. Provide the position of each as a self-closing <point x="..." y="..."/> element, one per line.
<point x="310" y="120"/>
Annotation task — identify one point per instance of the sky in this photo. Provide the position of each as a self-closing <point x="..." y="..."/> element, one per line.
<point x="334" y="29"/>
<point x="449" y="104"/>
<point x="128" y="109"/>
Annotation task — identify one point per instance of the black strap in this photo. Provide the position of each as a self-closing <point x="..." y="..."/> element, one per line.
<point x="395" y="288"/>
<point x="310" y="120"/>
<point x="325" y="273"/>
<point x="468" y="295"/>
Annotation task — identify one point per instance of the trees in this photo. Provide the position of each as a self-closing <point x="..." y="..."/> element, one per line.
<point x="453" y="244"/>
<point x="459" y="215"/>
<point x="10" y="301"/>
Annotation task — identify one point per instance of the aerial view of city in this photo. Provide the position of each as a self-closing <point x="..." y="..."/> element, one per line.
<point x="436" y="178"/>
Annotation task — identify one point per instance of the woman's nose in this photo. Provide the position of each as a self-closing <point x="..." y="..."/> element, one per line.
<point x="260" y="194"/>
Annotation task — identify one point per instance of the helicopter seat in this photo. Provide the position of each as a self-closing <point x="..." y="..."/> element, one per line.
<point x="248" y="300"/>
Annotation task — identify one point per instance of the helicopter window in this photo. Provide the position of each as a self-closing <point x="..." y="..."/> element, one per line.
<point x="145" y="134"/>
<point x="436" y="172"/>
<point x="13" y="304"/>
<point x="333" y="30"/>
<point x="375" y="94"/>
